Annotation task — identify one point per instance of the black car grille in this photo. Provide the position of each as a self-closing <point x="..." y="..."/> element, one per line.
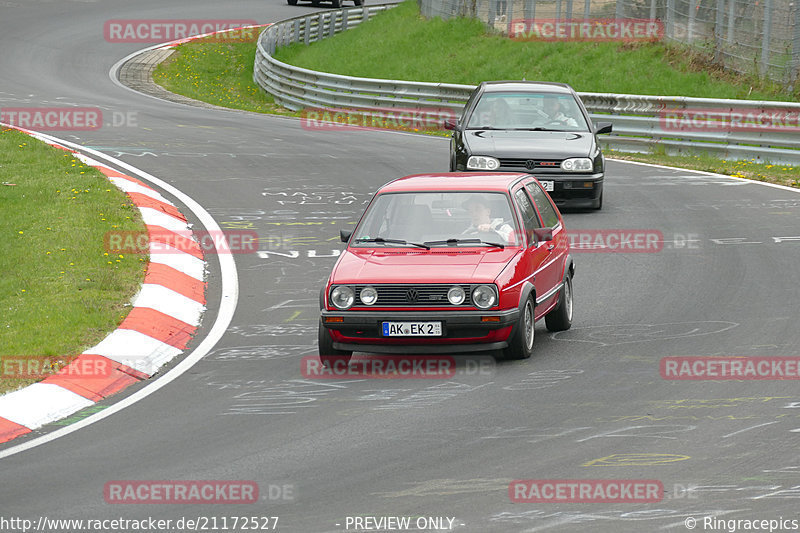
<point x="429" y="295"/>
<point x="531" y="164"/>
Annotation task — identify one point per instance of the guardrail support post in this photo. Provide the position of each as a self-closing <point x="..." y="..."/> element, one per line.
<point x="670" y="25"/>
<point x="795" y="46"/>
<point x="529" y="11"/>
<point x="720" y="11"/>
<point x="765" y="39"/>
<point x="731" y="20"/>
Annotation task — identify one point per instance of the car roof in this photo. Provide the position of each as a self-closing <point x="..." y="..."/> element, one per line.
<point x="530" y="86"/>
<point x="455" y="181"/>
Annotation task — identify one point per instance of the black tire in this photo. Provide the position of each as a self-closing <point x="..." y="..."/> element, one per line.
<point x="336" y="3"/>
<point x="292" y="2"/>
<point x="521" y="345"/>
<point x="560" y="318"/>
<point x="327" y="353"/>
<point x="358" y="3"/>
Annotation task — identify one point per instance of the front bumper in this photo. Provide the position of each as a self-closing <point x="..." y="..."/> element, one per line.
<point x="462" y="331"/>
<point x="574" y="190"/>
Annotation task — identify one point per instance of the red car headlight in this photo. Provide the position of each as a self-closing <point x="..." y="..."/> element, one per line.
<point x="484" y="296"/>
<point x="342" y="297"/>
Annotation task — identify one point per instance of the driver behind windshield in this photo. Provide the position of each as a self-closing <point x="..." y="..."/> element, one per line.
<point x="555" y="113"/>
<point x="482" y="222"/>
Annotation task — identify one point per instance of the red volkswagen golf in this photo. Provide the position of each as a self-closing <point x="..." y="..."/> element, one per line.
<point x="449" y="263"/>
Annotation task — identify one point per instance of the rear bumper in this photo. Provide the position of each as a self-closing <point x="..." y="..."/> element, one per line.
<point x="462" y="331"/>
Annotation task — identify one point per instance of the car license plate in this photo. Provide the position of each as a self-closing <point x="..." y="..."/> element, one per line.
<point x="412" y="329"/>
<point x="547" y="185"/>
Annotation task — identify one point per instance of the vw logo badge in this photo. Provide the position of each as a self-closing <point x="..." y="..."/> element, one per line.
<point x="412" y="295"/>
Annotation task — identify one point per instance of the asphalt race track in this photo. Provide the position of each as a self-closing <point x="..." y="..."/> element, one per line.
<point x="590" y="403"/>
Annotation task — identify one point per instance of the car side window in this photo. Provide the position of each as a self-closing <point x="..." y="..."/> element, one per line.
<point x="529" y="216"/>
<point x="549" y="215"/>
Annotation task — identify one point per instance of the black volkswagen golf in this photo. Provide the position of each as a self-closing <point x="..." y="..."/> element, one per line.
<point x="537" y="127"/>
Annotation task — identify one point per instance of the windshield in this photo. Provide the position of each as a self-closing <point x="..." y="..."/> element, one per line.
<point x="527" y="111"/>
<point x="438" y="219"/>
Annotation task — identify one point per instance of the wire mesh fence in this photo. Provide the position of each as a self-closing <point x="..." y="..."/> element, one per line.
<point x="760" y="37"/>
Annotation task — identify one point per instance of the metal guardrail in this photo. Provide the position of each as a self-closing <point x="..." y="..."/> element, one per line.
<point x="675" y="123"/>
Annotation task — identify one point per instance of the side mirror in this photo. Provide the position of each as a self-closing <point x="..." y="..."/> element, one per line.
<point x="602" y="127"/>
<point x="449" y="123"/>
<point x="344" y="235"/>
<point x="543" y="234"/>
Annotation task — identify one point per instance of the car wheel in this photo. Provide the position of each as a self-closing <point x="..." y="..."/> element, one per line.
<point x="292" y="2"/>
<point x="358" y="2"/>
<point x="560" y="318"/>
<point x="521" y="345"/>
<point x="327" y="353"/>
<point x="336" y="3"/>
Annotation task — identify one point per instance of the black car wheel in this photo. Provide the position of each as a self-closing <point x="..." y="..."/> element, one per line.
<point x="292" y="2"/>
<point x="336" y="3"/>
<point x="560" y="318"/>
<point x="521" y="345"/>
<point x="358" y="3"/>
<point x="327" y="353"/>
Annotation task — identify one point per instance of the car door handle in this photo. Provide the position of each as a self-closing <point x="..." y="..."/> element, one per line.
<point x="550" y="247"/>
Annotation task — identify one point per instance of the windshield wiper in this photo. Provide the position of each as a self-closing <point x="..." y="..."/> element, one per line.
<point x="538" y="128"/>
<point x="381" y="240"/>
<point x="465" y="241"/>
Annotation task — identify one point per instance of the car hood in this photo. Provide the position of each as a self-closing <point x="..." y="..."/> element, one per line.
<point x="519" y="144"/>
<point x="437" y="265"/>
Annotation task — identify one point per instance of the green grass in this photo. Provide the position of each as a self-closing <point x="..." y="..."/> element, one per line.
<point x="400" y="44"/>
<point x="219" y="73"/>
<point x="60" y="291"/>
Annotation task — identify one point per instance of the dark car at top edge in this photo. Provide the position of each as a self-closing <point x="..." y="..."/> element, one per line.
<point x="541" y="128"/>
<point x="449" y="263"/>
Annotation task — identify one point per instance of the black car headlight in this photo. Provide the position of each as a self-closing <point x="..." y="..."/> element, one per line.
<point x="482" y="162"/>
<point x="343" y="297"/>
<point x="577" y="164"/>
<point x="484" y="296"/>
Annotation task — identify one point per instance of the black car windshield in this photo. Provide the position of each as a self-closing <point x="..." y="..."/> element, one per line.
<point x="527" y="111"/>
<point x="438" y="219"/>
